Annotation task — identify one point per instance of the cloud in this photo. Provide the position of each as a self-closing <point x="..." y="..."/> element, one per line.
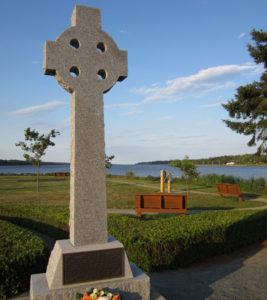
<point x="204" y="81"/>
<point x="211" y="105"/>
<point x="203" y="123"/>
<point x="196" y="85"/>
<point x="37" y="109"/>
<point x="123" y="31"/>
<point x="241" y="35"/>
<point x="121" y="105"/>
<point x="165" y="118"/>
<point x="133" y="112"/>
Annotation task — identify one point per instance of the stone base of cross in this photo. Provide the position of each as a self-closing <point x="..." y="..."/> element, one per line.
<point x="87" y="63"/>
<point x="79" y="269"/>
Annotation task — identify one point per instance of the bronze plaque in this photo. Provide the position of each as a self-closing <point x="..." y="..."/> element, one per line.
<point x="92" y="265"/>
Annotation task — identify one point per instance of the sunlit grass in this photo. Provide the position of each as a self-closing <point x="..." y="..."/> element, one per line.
<point x="121" y="191"/>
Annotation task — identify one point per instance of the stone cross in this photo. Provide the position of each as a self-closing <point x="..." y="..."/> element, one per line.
<point x="87" y="63"/>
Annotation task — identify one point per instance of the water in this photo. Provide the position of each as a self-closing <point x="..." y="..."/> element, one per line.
<point x="145" y="170"/>
<point x="30" y="169"/>
<point x="154" y="170"/>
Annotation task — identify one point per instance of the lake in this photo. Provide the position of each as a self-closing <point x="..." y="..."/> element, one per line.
<point x="145" y="170"/>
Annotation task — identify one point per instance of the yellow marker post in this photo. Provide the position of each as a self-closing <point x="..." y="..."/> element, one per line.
<point x="169" y="187"/>
<point x="162" y="181"/>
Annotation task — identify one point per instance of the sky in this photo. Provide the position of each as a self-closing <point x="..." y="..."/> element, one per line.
<point x="185" y="58"/>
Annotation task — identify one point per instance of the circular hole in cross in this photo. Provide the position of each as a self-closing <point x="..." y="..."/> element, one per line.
<point x="102" y="74"/>
<point x="74" y="71"/>
<point x="75" y="43"/>
<point x="101" y="47"/>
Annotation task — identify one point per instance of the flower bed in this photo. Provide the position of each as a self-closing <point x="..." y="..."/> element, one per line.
<point x="95" y="294"/>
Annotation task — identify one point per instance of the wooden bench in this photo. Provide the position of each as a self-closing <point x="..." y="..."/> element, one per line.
<point x="61" y="174"/>
<point x="228" y="189"/>
<point x="161" y="203"/>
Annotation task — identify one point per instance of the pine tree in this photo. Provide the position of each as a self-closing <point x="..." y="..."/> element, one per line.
<point x="250" y="103"/>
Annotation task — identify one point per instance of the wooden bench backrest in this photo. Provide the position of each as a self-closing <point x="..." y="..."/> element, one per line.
<point x="60" y="174"/>
<point x="228" y="188"/>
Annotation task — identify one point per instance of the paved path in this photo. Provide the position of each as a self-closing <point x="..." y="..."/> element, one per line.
<point x="241" y="275"/>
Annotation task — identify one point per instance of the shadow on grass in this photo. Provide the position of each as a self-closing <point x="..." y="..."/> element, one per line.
<point x="250" y="196"/>
<point x="12" y="189"/>
<point x="200" y="187"/>
<point x="211" y="207"/>
<point x="43" y="180"/>
<point x="47" y="229"/>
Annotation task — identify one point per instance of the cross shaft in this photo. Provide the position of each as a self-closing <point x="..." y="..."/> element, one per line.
<point x="87" y="63"/>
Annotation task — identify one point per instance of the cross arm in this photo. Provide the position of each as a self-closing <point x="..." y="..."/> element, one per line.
<point x="50" y="58"/>
<point x="123" y="56"/>
<point x="88" y="17"/>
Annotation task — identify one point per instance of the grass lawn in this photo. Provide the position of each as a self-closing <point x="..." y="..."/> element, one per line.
<point x="179" y="186"/>
<point x="21" y="189"/>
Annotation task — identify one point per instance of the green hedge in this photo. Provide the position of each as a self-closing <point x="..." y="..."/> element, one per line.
<point x="47" y="219"/>
<point x="21" y="254"/>
<point x="159" y="242"/>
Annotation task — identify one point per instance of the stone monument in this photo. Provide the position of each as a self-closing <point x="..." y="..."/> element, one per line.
<point x="87" y="63"/>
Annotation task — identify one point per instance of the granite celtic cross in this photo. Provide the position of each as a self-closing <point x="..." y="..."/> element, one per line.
<point x="87" y="63"/>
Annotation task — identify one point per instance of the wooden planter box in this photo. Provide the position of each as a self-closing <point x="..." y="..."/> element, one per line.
<point x="161" y="203"/>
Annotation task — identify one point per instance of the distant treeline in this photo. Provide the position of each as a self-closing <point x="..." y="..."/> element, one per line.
<point x="15" y="162"/>
<point x="156" y="162"/>
<point x="245" y="159"/>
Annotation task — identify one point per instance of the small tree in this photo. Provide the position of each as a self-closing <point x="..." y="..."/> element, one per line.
<point x="36" y="144"/>
<point x="187" y="168"/>
<point x="108" y="160"/>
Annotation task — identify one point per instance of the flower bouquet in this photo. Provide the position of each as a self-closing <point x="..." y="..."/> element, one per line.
<point x="96" y="294"/>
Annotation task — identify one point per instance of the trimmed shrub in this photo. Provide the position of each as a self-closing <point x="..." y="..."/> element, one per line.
<point x="156" y="243"/>
<point x="21" y="254"/>
<point x="159" y="242"/>
<point x="50" y="220"/>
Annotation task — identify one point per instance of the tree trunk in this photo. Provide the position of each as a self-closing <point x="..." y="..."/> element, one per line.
<point x="37" y="187"/>
<point x="188" y="186"/>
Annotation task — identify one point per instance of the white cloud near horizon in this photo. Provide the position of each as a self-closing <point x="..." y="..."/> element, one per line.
<point x="36" y="109"/>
